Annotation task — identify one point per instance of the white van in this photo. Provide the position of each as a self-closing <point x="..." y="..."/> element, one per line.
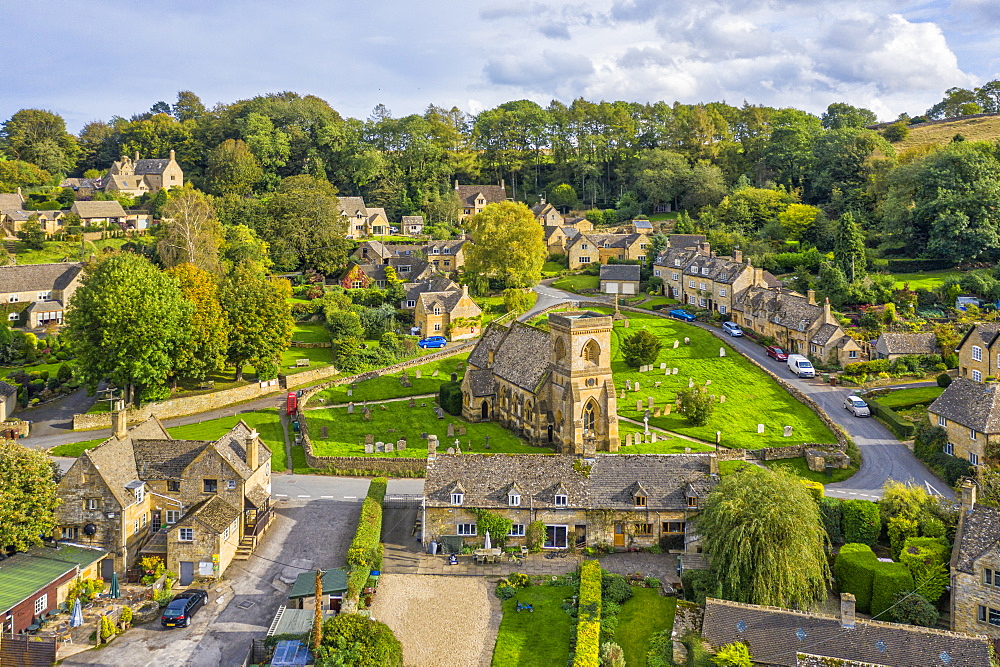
<point x="801" y="366"/>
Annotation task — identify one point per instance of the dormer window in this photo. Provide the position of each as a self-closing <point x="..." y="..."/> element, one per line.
<point x="560" y="500"/>
<point x="437" y="310"/>
<point x="607" y="245"/>
<point x="640" y="500"/>
<point x="514" y="499"/>
<point x="692" y="502"/>
<point x="704" y="270"/>
<point x="138" y="494"/>
<point x="777" y="319"/>
<point x="677" y="262"/>
<point x="457" y="497"/>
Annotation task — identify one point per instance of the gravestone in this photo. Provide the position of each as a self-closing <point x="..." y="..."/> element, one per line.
<point x="666" y="409"/>
<point x="652" y="437"/>
<point x="435" y="373"/>
<point x="722" y="351"/>
<point x="687" y="450"/>
<point x="370" y="439"/>
<point x="451" y="450"/>
<point x="623" y="394"/>
<point x="638" y="405"/>
<point x="381" y="406"/>
<point x="722" y="398"/>
<point x="656" y="412"/>
<point x="451" y="430"/>
<point x="417" y="373"/>
<point x="368" y="414"/>
<point x="389" y="448"/>
<point x="454" y="377"/>
<point x="323" y="432"/>
<point x="458" y="449"/>
<point x="663" y="366"/>
<point x="690" y="383"/>
<point x="628" y="440"/>
<point x="432" y="443"/>
<point x="404" y="380"/>
<point x="718" y="438"/>
<point x="708" y="382"/>
<point x="687" y="341"/>
<point x="350" y="408"/>
<point x="788" y="431"/>
<point x="401" y="444"/>
<point x="676" y="370"/>
<point x="461" y="430"/>
<point x="380" y="447"/>
<point x="628" y="384"/>
<point x="656" y="385"/>
<point x="666" y="371"/>
<point x="636" y="385"/>
<point x="760" y="429"/>
<point x="650" y="401"/>
<point x="626" y="323"/>
<point x="369" y="448"/>
<point x="413" y="402"/>
<point x="677" y="343"/>
<point x="350" y="392"/>
<point x="712" y="397"/>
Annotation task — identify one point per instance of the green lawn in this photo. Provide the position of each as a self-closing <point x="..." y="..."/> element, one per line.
<point x="267" y="423"/>
<point x="539" y="638"/>
<point x="550" y="269"/>
<point x="752" y="397"/>
<point x="299" y="465"/>
<point x="52" y="368"/>
<point x="798" y="467"/>
<point x="904" y="398"/>
<point x="925" y="280"/>
<point x="659" y="301"/>
<point x="346" y="432"/>
<point x="310" y="332"/>
<point x="307" y="332"/>
<point x="388" y="386"/>
<point x="75" y="449"/>
<point x="641" y="617"/>
<point x="664" y="444"/>
<point x="578" y="282"/>
<point x="58" y="251"/>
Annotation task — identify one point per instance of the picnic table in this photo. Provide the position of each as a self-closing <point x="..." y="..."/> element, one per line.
<point x="486" y="555"/>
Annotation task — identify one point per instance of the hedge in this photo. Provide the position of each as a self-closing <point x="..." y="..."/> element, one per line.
<point x="450" y="397"/>
<point x="919" y="551"/>
<point x="901" y="428"/>
<point x="588" y="627"/>
<point x="376" y="489"/>
<point x="854" y="569"/>
<point x="890" y="580"/>
<point x="918" y="265"/>
<point x="365" y="549"/>
<point x="862" y="522"/>
<point x="829" y="511"/>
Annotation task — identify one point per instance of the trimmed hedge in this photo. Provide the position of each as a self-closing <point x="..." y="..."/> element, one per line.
<point x="867" y="367"/>
<point x="862" y="521"/>
<point x="890" y="580"/>
<point x="366" y="548"/>
<point x="450" y="397"/>
<point x="588" y="627"/>
<point x="901" y="428"/>
<point x="854" y="569"/>
<point x="830" y="512"/>
<point x="376" y="489"/>
<point x="919" y="551"/>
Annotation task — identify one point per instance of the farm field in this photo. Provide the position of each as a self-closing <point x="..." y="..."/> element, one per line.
<point x="973" y="129"/>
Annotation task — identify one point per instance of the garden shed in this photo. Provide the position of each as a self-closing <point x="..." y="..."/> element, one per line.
<point x="334" y="587"/>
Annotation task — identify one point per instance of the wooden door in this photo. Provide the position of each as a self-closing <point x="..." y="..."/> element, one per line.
<point x="619" y="535"/>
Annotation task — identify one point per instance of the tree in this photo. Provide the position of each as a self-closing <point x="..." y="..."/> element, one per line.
<point x="27" y="496"/>
<point x="662" y="176"/>
<point x="758" y="515"/>
<point x="344" y="324"/>
<point x="897" y="131"/>
<point x="797" y="218"/>
<point x="914" y="609"/>
<point x="641" y="348"/>
<point x="517" y="300"/>
<point x="317" y="631"/>
<point x="696" y="405"/>
<point x="40" y="137"/>
<point x="260" y="321"/>
<point x="242" y="247"/>
<point x="125" y="323"/>
<point x="190" y="232"/>
<point x="16" y="174"/>
<point x="188" y="106"/>
<point x="352" y="640"/>
<point x="508" y="245"/>
<point x="840" y="115"/>
<point x="205" y="349"/>
<point x="233" y="168"/>
<point x="304" y="226"/>
<point x="736" y="654"/>
<point x="563" y="197"/>
<point x="849" y="249"/>
<point x="31" y="233"/>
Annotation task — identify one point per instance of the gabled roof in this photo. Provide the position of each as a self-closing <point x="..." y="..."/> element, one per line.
<point x="451" y="247"/>
<point x="98" y="209"/>
<point x="11" y="201"/>
<point x="789" y="310"/>
<point x="644" y="225"/>
<point x="38" y="277"/>
<point x="982" y="333"/>
<point x="412" y="220"/>
<point x="975" y="405"/>
<point x="334" y="581"/>
<point x="676" y="259"/>
<point x="449" y="302"/>
<point x="493" y="194"/>
<point x="908" y="343"/>
<point x="626" y="272"/>
<point x="435" y="283"/>
<point x="774" y="636"/>
<point x="978" y="534"/>
<point x="7" y="389"/>
<point x="215" y="513"/>
<point x="610" y="240"/>
<point x="826" y="333"/>
<point x="165" y="458"/>
<point x="521" y="354"/>
<point x="352" y="206"/>
<point x="685" y="240"/>
<point x="665" y="478"/>
<point x="150" y="166"/>
<point x="720" y="269"/>
<point x="482" y="382"/>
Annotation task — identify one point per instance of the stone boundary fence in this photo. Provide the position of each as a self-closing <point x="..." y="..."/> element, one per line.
<point x="369" y="465"/>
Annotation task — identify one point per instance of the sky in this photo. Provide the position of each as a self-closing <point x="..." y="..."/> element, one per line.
<point x="91" y="61"/>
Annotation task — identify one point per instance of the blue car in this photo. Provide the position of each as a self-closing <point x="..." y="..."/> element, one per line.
<point x="682" y="314"/>
<point x="432" y="341"/>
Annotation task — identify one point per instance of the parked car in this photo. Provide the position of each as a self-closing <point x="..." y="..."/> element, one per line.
<point x="432" y="341"/>
<point x="776" y="352"/>
<point x="801" y="366"/>
<point x="681" y="314"/>
<point x="857" y="407"/>
<point x="732" y="329"/>
<point x="184" y="605"/>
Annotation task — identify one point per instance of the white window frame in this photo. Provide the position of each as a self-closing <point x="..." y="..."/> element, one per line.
<point x="942" y="421"/>
<point x="949" y="448"/>
<point x="185" y="534"/>
<point x="41" y="604"/>
<point x="13" y="298"/>
<point x="560" y="500"/>
<point x="977" y="376"/>
<point x="230" y="484"/>
<point x="135" y="527"/>
<point x="972" y="434"/>
<point x="852" y="354"/>
<point x="437" y="326"/>
<point x="691" y="284"/>
<point x="677" y="262"/>
<point x="722" y="291"/>
<point x="673" y="276"/>
<point x="516" y="530"/>
<point x="989" y="615"/>
<point x="466" y="529"/>
<point x="585" y="260"/>
<point x="139" y="494"/>
<point x="974" y="458"/>
<point x="702" y="286"/>
<point x="173" y="516"/>
<point x="722" y="310"/>
<point x="93" y="504"/>
<point x="977" y="353"/>
<point x="514" y="499"/>
<point x="704" y="270"/>
<point x="411" y="304"/>
<point x="44" y="296"/>
<point x="656" y="273"/>
<point x="13" y="317"/>
<point x="457" y="498"/>
<point x="143" y="519"/>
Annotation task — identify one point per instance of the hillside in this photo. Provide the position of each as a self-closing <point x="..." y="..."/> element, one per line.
<point x="984" y="128"/>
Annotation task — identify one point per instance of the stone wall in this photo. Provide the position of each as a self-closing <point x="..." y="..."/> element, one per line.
<point x="298" y="343"/>
<point x="688" y="619"/>
<point x="967" y="593"/>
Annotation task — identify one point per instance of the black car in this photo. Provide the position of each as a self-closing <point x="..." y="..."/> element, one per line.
<point x="184" y="605"/>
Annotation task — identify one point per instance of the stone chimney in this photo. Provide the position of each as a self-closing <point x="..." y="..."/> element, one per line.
<point x="968" y="496"/>
<point x="432" y="446"/>
<point x="253" y="455"/>
<point x="465" y="290"/>
<point x="503" y="185"/>
<point x="713" y="464"/>
<point x="119" y="420"/>
<point x="540" y="201"/>
<point x="847" y="610"/>
<point x="811" y="294"/>
<point x="737" y="255"/>
<point x="136" y="156"/>
<point x="827" y="315"/>
<point x="172" y="157"/>
<point x="758" y="276"/>
<point x="19" y="191"/>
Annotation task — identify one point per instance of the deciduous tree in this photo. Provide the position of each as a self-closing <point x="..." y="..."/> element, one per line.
<point x="305" y="227"/>
<point x="260" y="321"/>
<point x="205" y="349"/>
<point x="508" y="245"/>
<point x="233" y="168"/>
<point x="27" y="496"/>
<point x="190" y="232"/>
<point x="40" y="137"/>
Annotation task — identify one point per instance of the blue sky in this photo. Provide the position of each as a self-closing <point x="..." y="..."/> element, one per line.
<point x="89" y="61"/>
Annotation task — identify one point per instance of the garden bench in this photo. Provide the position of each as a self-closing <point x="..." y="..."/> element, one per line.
<point x="301" y="362"/>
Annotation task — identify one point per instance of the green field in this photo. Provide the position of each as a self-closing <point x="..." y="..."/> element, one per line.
<point x="52" y="368"/>
<point x="74" y="449"/>
<point x="752" y="397"/>
<point x="539" y="638"/>
<point x="388" y="386"/>
<point x="577" y="282"/>
<point x="926" y="280"/>
<point x="267" y="423"/>
<point x="642" y="616"/>
<point x="800" y="468"/>
<point x="659" y="301"/>
<point x="346" y="432"/>
<point x="307" y="332"/>
<point x="60" y="251"/>
<point x="904" y="398"/>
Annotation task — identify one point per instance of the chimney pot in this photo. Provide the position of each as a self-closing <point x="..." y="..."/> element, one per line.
<point x="252" y="457"/>
<point x="847" y="610"/>
<point x="172" y="154"/>
<point x="119" y="420"/>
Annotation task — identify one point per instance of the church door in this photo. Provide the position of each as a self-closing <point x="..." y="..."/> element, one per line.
<point x="486" y="410"/>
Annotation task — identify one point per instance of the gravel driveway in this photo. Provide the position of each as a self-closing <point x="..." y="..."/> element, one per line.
<point x="440" y="620"/>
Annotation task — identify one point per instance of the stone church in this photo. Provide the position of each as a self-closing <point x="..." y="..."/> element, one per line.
<point x="553" y="388"/>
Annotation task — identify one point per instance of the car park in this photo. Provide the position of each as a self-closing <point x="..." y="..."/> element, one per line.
<point x="732" y="329"/>
<point x="857" y="407"/>
<point x="681" y="314"/>
<point x="179" y="611"/>
<point x="776" y="352"/>
<point x="432" y="341"/>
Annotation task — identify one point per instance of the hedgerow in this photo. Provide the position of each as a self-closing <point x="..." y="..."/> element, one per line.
<point x="854" y="570"/>
<point x="862" y="522"/>
<point x="588" y="627"/>
<point x="890" y="580"/>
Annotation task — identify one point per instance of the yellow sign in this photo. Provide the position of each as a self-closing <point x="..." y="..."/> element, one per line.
<point x="215" y="558"/>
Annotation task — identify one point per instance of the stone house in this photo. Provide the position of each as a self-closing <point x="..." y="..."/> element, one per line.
<point x="979" y="353"/>
<point x="93" y="213"/>
<point x="635" y="500"/>
<point x="359" y="275"/>
<point x="705" y="281"/>
<point x="411" y="225"/>
<point x="33" y="295"/>
<point x="474" y="198"/>
<point x="83" y="187"/>
<point x="975" y="568"/>
<point x="688" y="241"/>
<point x="450" y="313"/>
<point x="134" y="176"/>
<point x="894" y="345"/>
<point x="586" y="248"/>
<point x="789" y="638"/>
<point x="8" y="400"/>
<point x="577" y="224"/>
<point x="446" y="256"/>
<point x="38" y="580"/>
<point x="13" y="216"/>
<point x="970" y="413"/>
<point x="620" y="279"/>
<point x="547" y="214"/>
<point x="556" y="239"/>
<point x="553" y="388"/>
<point x="361" y="219"/>
<point x="142" y="493"/>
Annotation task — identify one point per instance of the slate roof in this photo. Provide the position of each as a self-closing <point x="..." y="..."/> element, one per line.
<point x="98" y="209"/>
<point x="7" y="389"/>
<point x="412" y="220"/>
<point x="626" y="272"/>
<point x="685" y="240"/>
<point x="644" y="225"/>
<point x="351" y="206"/>
<point x="612" y="240"/>
<point x="986" y="333"/>
<point x="232" y="447"/>
<point x="258" y="497"/>
<point x="435" y="283"/>
<point x="419" y="269"/>
<point x="720" y="269"/>
<point x="449" y="302"/>
<point x="38" y="277"/>
<point x="374" y="248"/>
<point x="493" y="194"/>
<point x="676" y="259"/>
<point x="215" y="513"/>
<point x="491" y="339"/>
<point x="775" y="635"/>
<point x="788" y="310"/>
<point x="164" y="458"/>
<point x="482" y="382"/>
<point x="825" y="334"/>
<point x="11" y="201"/>
<point x="978" y="533"/>
<point x="975" y="405"/>
<point x="908" y="343"/>
<point x="521" y="354"/>
<point x="444" y="247"/>
<point x="77" y="183"/>
<point x="611" y="483"/>
<point x="45" y="307"/>
<point x="150" y="166"/>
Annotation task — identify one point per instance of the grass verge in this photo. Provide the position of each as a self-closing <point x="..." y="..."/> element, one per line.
<point x="642" y="616"/>
<point x="539" y="638"/>
<point x="576" y="283"/>
<point x="800" y="468"/>
<point x="267" y="423"/>
<point x="75" y="449"/>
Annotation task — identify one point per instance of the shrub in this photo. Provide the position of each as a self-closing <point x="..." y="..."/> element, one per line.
<point x="733" y="655"/>
<point x="614" y="588"/>
<point x="356" y="581"/>
<point x="699" y="584"/>
<point x="854" y="570"/>
<point x="450" y="396"/>
<point x="588" y="628"/>
<point x="927" y="559"/>
<point x="815" y="488"/>
<point x="890" y="580"/>
<point x="696" y="405"/>
<point x="867" y="367"/>
<point x="125" y="619"/>
<point x="900" y="427"/>
<point x="829" y="510"/>
<point x="534" y="535"/>
<point x="862" y="523"/>
<point x="519" y="580"/>
<point x="661" y="650"/>
<point x="641" y="348"/>
<point x="612" y="655"/>
<point x="900" y="529"/>
<point x="943" y="380"/>
<point x="358" y="641"/>
<point x="505" y="592"/>
<point x="364" y="549"/>
<point x="108" y="629"/>
<point x="914" y="609"/>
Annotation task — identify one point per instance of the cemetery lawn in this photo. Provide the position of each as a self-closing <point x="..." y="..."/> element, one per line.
<point x="643" y="615"/>
<point x="346" y="432"/>
<point x="538" y="638"/>
<point x="388" y="386"/>
<point x="665" y="444"/>
<point x="267" y="423"/>
<point x="752" y="396"/>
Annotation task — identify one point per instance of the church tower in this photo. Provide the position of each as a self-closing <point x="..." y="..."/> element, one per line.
<point x="582" y="390"/>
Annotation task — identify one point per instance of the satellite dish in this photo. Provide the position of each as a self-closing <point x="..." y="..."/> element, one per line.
<point x="89" y="529"/>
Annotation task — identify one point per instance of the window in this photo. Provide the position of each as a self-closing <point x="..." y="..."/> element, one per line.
<point x="356" y="284"/>
<point x="673" y="276"/>
<point x="642" y="246"/>
<point x="514" y="499"/>
<point x="673" y="527"/>
<point x="704" y="270"/>
<point x="457" y="498"/>
<point x="437" y="327"/>
<point x="722" y="292"/>
<point x="13" y="298"/>
<point x="173" y="516"/>
<point x="977" y="376"/>
<point x="702" y="302"/>
<point x="949" y="448"/>
<point x="44" y="296"/>
<point x="144" y="520"/>
<point x="853" y="354"/>
<point x="585" y="260"/>
<point x="972" y="434"/>
<point x="677" y="262"/>
<point x="69" y="532"/>
<point x="185" y="534"/>
<point x="692" y="501"/>
<point x="225" y="533"/>
<point x="12" y="317"/>
<point x="584" y="246"/>
<point x="210" y="485"/>
<point x="411" y="304"/>
<point x="138" y="494"/>
<point x="942" y="421"/>
<point x="656" y="273"/>
<point x="561" y="500"/>
<point x="447" y="262"/>
<point x="231" y="484"/>
<point x="702" y="286"/>
<point x="437" y="310"/>
<point x="135" y="527"/>
<point x="640" y="500"/>
<point x="93" y="503"/>
<point x="516" y="530"/>
<point x="991" y="577"/>
<point x="977" y="353"/>
<point x="173" y="485"/>
<point x="691" y="284"/>
<point x="722" y="310"/>
<point x="986" y="615"/>
<point x="404" y="269"/>
<point x="41" y="604"/>
<point x="466" y="529"/>
<point x="974" y="458"/>
<point x="607" y="245"/>
<point x="643" y="529"/>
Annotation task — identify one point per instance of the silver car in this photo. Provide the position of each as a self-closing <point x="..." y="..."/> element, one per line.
<point x="857" y="407"/>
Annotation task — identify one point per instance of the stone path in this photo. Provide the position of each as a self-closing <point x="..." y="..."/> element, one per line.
<point x="661" y="566"/>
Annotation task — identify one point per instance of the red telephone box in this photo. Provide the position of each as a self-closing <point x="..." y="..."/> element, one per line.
<point x="291" y="402"/>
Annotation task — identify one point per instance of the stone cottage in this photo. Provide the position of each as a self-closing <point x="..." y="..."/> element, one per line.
<point x="969" y="412"/>
<point x="135" y="176"/>
<point x="450" y="313"/>
<point x="975" y="568"/>
<point x="979" y="353"/>
<point x="635" y="500"/>
<point x="474" y="198"/>
<point x="894" y="345"/>
<point x="33" y="295"/>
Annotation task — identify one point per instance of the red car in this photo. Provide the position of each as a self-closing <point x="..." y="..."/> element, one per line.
<point x="776" y="353"/>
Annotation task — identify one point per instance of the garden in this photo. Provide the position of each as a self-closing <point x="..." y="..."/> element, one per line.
<point x="540" y="637"/>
